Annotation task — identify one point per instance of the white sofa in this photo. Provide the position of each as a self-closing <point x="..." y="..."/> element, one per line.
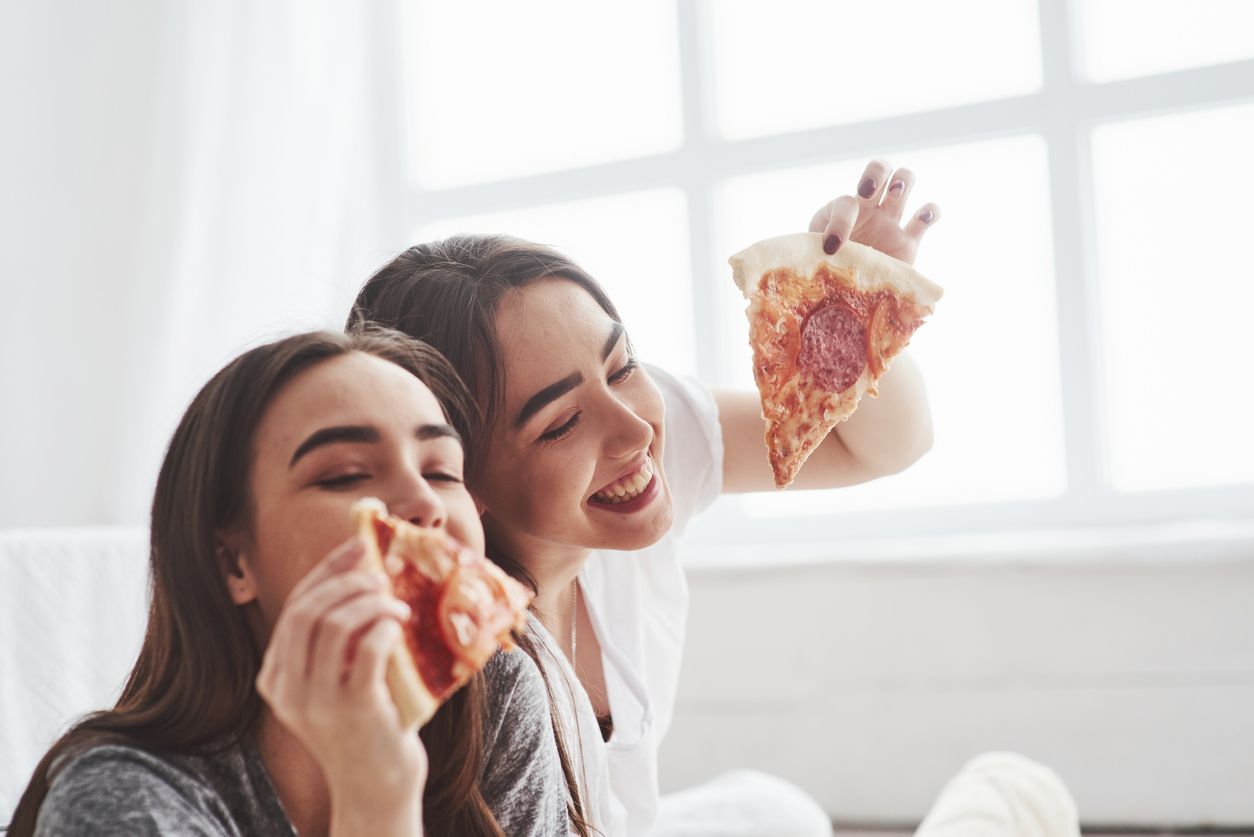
<point x="1125" y="661"/>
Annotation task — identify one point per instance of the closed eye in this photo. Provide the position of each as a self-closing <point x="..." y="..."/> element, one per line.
<point x="625" y="372"/>
<point x="342" y="482"/>
<point x="441" y="477"/>
<point x="558" y="432"/>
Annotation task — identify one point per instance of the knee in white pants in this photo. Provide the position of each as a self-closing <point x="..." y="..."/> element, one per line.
<point x="1003" y="795"/>
<point x="742" y="802"/>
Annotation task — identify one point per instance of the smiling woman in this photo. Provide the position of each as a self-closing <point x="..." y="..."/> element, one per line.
<point x="257" y="705"/>
<point x="588" y="466"/>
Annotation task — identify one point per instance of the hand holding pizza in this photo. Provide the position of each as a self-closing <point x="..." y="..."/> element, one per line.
<point x="323" y="677"/>
<point x="874" y="217"/>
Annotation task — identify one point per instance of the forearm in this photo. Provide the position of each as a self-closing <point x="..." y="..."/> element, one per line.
<point x="886" y="434"/>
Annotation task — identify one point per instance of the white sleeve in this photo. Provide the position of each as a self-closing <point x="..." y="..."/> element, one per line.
<point x="693" y="455"/>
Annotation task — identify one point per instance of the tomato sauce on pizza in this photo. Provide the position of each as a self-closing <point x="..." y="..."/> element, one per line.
<point x="823" y="330"/>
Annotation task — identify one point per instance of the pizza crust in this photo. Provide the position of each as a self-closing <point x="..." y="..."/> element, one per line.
<point x="478" y="604"/>
<point x="413" y="699"/>
<point x="803" y="253"/>
<point x="786" y="279"/>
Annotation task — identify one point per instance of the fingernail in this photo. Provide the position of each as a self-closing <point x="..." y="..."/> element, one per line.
<point x="866" y="188"/>
<point x="831" y="244"/>
<point x="897" y="187"/>
<point x="926" y="216"/>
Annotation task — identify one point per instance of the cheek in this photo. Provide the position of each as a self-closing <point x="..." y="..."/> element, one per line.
<point x="289" y="540"/>
<point x="463" y="520"/>
<point x="539" y="488"/>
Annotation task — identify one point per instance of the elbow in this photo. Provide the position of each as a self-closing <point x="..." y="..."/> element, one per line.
<point x="912" y="447"/>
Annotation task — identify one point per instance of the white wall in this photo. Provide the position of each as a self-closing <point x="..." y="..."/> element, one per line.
<point x="76" y="157"/>
<point x="1121" y="659"/>
<point x="179" y="181"/>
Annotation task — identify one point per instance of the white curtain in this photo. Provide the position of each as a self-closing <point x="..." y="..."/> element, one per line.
<point x="180" y="181"/>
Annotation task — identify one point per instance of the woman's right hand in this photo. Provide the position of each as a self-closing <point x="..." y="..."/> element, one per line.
<point x="323" y="676"/>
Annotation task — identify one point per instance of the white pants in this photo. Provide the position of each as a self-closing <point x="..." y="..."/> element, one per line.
<point x="995" y="795"/>
<point x="739" y="804"/>
<point x="1000" y="795"/>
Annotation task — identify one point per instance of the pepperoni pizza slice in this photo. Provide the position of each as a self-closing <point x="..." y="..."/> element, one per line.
<point x="463" y="608"/>
<point x="823" y="330"/>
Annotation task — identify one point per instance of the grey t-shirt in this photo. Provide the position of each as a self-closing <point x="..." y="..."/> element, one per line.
<point x="113" y="790"/>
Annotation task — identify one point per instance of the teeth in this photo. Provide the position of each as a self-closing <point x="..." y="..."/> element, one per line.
<point x="628" y="488"/>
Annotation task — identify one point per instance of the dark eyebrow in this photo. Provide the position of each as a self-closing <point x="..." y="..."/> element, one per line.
<point x="547" y="395"/>
<point x="438" y="431"/>
<point x="364" y="434"/>
<point x="616" y="332"/>
<point x="332" y="435"/>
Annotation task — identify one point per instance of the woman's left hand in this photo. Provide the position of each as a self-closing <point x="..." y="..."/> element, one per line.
<point x="874" y="217"/>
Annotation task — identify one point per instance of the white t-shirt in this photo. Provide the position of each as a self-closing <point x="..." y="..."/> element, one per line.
<point x="638" y="604"/>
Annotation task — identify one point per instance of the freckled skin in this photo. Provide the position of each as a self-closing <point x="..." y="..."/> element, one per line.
<point x="536" y="492"/>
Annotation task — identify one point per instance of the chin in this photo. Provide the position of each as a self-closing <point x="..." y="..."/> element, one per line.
<point x="645" y="532"/>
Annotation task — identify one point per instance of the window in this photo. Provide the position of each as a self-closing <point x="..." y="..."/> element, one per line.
<point x="1083" y="166"/>
<point x="634" y="243"/>
<point x="1124" y="39"/>
<point x="1177" y="303"/>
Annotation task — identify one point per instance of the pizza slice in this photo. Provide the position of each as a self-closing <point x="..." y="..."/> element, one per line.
<point x="464" y="608"/>
<point x="823" y="330"/>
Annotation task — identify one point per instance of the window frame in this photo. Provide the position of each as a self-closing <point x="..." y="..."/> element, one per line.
<point x="1063" y="112"/>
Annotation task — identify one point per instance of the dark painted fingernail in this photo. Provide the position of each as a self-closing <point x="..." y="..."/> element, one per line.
<point x="926" y="216"/>
<point x="831" y="244"/>
<point x="866" y="188"/>
<point x="897" y="188"/>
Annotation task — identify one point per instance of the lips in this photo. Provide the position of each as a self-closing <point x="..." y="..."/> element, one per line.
<point x="627" y="486"/>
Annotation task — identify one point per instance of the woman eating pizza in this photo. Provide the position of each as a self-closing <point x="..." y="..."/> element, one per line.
<point x="257" y="704"/>
<point x="588" y="467"/>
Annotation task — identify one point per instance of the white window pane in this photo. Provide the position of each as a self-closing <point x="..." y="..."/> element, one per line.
<point x="635" y="245"/>
<point x="500" y="89"/>
<point x="990" y="352"/>
<point x="1125" y="38"/>
<point x="1177" y="292"/>
<point x="796" y="64"/>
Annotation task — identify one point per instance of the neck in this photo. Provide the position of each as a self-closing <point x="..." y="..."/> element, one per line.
<point x="296" y="777"/>
<point x="554" y="568"/>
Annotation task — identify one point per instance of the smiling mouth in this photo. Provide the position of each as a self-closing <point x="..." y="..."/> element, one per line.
<point x="627" y="488"/>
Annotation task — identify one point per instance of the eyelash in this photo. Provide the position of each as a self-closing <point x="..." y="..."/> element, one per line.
<point x="349" y="480"/>
<point x="624" y="373"/>
<point x="561" y="432"/>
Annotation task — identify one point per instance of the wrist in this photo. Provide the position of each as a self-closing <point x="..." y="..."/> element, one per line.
<point x="397" y="818"/>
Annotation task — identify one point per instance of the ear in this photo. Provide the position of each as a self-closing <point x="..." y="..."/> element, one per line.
<point x="233" y="563"/>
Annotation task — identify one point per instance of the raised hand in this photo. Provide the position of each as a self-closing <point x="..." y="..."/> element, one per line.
<point x="874" y="217"/>
<point x="323" y="676"/>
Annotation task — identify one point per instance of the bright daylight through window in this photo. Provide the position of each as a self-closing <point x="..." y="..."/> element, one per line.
<point x="1063" y="353"/>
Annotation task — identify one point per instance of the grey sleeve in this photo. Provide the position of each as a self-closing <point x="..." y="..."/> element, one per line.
<point x="522" y="776"/>
<point x="110" y="791"/>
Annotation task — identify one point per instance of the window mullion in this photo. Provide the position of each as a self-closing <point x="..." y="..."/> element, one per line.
<point x="1071" y="179"/>
<point x="697" y="181"/>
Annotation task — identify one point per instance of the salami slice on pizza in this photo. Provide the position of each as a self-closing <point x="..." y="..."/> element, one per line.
<point x="823" y="330"/>
<point x="463" y="608"/>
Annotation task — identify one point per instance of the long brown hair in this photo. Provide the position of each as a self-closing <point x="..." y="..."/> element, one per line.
<point x="446" y="293"/>
<point x="191" y="691"/>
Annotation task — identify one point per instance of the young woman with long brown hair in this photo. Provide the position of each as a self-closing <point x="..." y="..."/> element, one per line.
<point x="257" y="704"/>
<point x="589" y="466"/>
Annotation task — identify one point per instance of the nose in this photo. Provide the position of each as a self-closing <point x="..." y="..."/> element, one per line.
<point x="414" y="499"/>
<point x="628" y="433"/>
